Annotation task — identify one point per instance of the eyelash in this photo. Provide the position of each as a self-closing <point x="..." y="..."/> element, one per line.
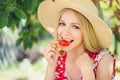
<point x="62" y="24"/>
<point x="74" y="26"/>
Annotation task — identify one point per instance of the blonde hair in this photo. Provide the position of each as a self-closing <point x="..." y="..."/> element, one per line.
<point x="90" y="40"/>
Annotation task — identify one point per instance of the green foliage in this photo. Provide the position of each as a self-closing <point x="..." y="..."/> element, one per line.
<point x="4" y="19"/>
<point x="118" y="66"/>
<point x="29" y="35"/>
<point x="112" y="15"/>
<point x="22" y="9"/>
<point x="11" y="14"/>
<point x="111" y="12"/>
<point x="20" y="14"/>
<point x="30" y="5"/>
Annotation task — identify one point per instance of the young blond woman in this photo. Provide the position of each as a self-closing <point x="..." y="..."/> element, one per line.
<point x="81" y="39"/>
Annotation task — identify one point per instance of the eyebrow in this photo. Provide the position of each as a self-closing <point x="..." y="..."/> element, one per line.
<point x="71" y="23"/>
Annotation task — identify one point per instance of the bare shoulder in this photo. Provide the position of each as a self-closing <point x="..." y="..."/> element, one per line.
<point x="84" y="60"/>
<point x="105" y="67"/>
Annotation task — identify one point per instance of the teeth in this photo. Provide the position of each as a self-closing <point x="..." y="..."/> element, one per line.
<point x="64" y="39"/>
<point x="67" y="40"/>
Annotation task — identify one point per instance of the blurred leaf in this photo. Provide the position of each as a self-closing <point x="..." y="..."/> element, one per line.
<point x="27" y="4"/>
<point x="111" y="1"/>
<point x="118" y="1"/>
<point x="116" y="31"/>
<point x="19" y="41"/>
<point x="10" y="8"/>
<point x="34" y="38"/>
<point x="4" y="1"/>
<point x="20" y="33"/>
<point x="117" y="13"/>
<point x="30" y="44"/>
<point x="34" y="5"/>
<point x="19" y="13"/>
<point x="27" y="41"/>
<point x="35" y="25"/>
<point x="3" y="19"/>
<point x="14" y="21"/>
<point x="22" y="9"/>
<point x="30" y="5"/>
<point x="2" y="6"/>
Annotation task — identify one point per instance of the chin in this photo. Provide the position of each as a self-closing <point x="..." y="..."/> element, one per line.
<point x="67" y="48"/>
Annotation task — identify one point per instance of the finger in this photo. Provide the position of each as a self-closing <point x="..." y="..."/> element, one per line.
<point x="51" y="54"/>
<point x="48" y="49"/>
<point x="53" y="50"/>
<point x="53" y="46"/>
<point x="54" y="43"/>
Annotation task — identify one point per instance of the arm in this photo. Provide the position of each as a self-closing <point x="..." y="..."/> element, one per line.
<point x="85" y="65"/>
<point x="105" y="68"/>
<point x="50" y="53"/>
<point x="50" y="73"/>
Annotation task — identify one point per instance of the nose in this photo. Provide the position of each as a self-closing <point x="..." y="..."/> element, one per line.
<point x="65" y="32"/>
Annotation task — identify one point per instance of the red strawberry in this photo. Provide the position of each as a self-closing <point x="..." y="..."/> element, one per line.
<point x="62" y="52"/>
<point x="64" y="43"/>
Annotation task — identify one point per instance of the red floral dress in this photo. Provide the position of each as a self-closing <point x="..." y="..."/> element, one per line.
<point x="61" y="74"/>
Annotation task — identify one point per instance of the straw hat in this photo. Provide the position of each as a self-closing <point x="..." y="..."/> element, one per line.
<point x="49" y="13"/>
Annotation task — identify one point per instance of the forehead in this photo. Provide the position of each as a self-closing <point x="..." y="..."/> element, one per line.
<point x="69" y="15"/>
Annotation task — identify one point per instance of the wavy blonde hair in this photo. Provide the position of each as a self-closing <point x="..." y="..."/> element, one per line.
<point x="90" y="40"/>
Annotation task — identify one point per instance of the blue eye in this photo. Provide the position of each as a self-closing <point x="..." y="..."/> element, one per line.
<point x="76" y="27"/>
<point x="61" y="24"/>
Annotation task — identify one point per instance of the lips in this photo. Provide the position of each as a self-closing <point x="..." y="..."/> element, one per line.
<point x="65" y="42"/>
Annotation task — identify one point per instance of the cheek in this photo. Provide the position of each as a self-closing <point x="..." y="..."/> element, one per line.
<point x="78" y="35"/>
<point x="59" y="31"/>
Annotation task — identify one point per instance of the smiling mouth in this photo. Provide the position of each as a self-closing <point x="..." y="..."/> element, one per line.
<point x="65" y="42"/>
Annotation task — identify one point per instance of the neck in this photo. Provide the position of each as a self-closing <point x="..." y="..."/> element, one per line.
<point x="72" y="55"/>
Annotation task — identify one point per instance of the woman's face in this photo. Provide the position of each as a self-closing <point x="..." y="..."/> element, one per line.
<point x="70" y="30"/>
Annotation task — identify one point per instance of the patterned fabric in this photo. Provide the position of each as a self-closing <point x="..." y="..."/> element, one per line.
<point x="61" y="74"/>
<point x="97" y="60"/>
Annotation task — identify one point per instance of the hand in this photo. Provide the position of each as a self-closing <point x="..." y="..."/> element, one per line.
<point x="50" y="53"/>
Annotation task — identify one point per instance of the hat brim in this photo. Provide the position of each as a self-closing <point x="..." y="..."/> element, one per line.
<point x="49" y="12"/>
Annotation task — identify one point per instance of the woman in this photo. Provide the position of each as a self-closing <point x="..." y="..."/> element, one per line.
<point x="81" y="37"/>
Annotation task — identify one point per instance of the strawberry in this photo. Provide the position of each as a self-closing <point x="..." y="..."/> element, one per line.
<point x="63" y="42"/>
<point x="62" y="53"/>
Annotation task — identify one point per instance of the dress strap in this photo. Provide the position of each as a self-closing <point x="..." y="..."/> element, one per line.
<point x="114" y="65"/>
<point x="98" y="59"/>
